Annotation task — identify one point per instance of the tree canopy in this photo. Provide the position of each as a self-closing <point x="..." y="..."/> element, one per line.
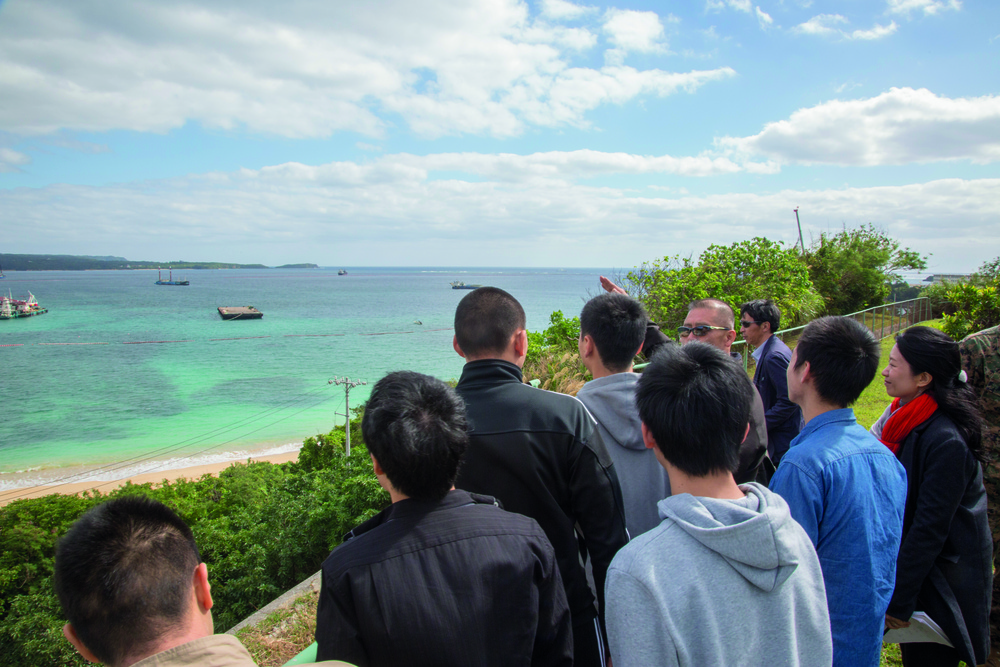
<point x="854" y="268"/>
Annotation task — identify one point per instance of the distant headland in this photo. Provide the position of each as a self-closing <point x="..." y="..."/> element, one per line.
<point x="12" y="262"/>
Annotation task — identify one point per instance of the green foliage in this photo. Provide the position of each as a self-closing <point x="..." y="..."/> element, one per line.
<point x="852" y="269"/>
<point x="737" y="273"/>
<point x="976" y="308"/>
<point x="553" y="357"/>
<point x="261" y="529"/>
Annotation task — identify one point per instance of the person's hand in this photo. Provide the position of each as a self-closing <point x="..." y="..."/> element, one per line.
<point x="611" y="287"/>
<point x="894" y="623"/>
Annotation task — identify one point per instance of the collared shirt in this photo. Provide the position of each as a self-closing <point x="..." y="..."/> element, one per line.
<point x="848" y="491"/>
<point x="210" y="651"/>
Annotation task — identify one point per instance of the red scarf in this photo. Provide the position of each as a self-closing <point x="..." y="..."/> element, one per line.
<point x="904" y="419"/>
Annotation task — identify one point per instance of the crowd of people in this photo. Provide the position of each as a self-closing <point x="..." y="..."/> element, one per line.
<point x="684" y="515"/>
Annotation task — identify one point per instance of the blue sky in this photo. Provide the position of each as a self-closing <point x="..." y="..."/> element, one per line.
<point x="495" y="132"/>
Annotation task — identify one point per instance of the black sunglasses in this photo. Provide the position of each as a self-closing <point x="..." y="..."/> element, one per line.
<point x="700" y="330"/>
<point x="747" y="325"/>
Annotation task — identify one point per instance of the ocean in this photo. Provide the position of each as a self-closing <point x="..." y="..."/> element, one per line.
<point x="123" y="377"/>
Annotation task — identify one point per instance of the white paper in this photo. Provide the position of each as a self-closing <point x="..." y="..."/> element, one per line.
<point x="922" y="629"/>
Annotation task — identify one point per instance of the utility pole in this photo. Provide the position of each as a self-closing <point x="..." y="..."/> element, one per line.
<point x="801" y="244"/>
<point x="348" y="385"/>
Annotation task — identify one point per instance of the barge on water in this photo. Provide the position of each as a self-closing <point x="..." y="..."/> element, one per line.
<point x="239" y="313"/>
<point x="169" y="281"/>
<point x="458" y="284"/>
<point x="11" y="308"/>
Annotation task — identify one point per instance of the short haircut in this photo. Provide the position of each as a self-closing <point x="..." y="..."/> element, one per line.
<point x="617" y="323"/>
<point x="763" y="310"/>
<point x="485" y="321"/>
<point x="415" y="427"/>
<point x="696" y="404"/>
<point x="124" y="575"/>
<point x="843" y="358"/>
<point x="722" y="309"/>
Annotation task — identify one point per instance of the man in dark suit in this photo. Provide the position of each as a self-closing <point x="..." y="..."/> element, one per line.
<point x="759" y="320"/>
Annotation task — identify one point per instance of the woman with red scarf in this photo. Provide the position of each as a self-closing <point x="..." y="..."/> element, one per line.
<point x="945" y="561"/>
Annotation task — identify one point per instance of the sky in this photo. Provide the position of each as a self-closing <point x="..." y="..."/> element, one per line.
<point x="495" y="132"/>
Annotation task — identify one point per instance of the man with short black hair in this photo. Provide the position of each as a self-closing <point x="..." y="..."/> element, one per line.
<point x="540" y="454"/>
<point x="727" y="577"/>
<point x="845" y="488"/>
<point x="132" y="586"/>
<point x="441" y="577"/>
<point x="759" y="320"/>
<point x="612" y="330"/>
<point x="711" y="321"/>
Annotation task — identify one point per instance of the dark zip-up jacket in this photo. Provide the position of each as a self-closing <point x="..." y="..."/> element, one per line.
<point x="539" y="452"/>
<point x="451" y="583"/>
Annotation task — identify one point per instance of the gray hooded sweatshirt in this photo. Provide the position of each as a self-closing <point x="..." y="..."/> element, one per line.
<point x="719" y="582"/>
<point x="611" y="401"/>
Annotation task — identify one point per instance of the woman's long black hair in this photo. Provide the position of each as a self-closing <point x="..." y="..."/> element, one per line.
<point x="934" y="352"/>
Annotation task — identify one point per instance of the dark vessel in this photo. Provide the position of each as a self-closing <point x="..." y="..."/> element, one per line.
<point x="170" y="281"/>
<point x="458" y="284"/>
<point x="239" y="313"/>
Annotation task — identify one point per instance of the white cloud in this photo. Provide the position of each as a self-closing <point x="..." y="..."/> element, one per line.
<point x="11" y="160"/>
<point x="392" y="212"/>
<point x="824" y="24"/>
<point x="928" y="7"/>
<point x="631" y="30"/>
<point x="310" y="69"/>
<point x="763" y="18"/>
<point x="877" y="32"/>
<point x="561" y="10"/>
<point x="821" y="24"/>
<point x="738" y="5"/>
<point x="900" y="126"/>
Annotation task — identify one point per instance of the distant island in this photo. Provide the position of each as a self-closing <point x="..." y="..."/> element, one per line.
<point x="89" y="263"/>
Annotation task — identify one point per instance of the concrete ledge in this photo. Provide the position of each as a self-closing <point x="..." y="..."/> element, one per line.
<point x="310" y="584"/>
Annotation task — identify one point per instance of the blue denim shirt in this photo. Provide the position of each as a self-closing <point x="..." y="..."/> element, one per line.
<point x="848" y="492"/>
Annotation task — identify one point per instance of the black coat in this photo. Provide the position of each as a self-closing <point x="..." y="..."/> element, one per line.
<point x="945" y="561"/>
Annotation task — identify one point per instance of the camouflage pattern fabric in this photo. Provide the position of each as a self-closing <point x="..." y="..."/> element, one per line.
<point x="981" y="361"/>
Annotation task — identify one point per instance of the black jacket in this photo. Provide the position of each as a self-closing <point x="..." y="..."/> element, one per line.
<point x="540" y="454"/>
<point x="945" y="562"/>
<point x="450" y="583"/>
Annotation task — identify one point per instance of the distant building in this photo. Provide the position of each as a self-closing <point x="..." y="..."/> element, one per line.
<point x="951" y="278"/>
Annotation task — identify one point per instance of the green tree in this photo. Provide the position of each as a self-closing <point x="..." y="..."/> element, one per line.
<point x="853" y="269"/>
<point x="754" y="269"/>
<point x="974" y="305"/>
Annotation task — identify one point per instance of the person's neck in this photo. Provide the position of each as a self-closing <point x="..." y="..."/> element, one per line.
<point x="764" y="340"/>
<point x="602" y="371"/>
<point x="510" y="358"/>
<point x="719" y="485"/>
<point x="814" y="406"/>
<point x="192" y="632"/>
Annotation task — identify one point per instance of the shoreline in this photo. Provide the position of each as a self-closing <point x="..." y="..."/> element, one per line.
<point x="157" y="477"/>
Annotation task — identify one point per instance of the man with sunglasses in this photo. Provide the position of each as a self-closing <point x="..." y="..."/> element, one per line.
<point x="759" y="320"/>
<point x="711" y="321"/>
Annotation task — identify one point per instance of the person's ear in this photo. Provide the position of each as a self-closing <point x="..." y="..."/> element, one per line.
<point x="745" y="433"/>
<point x="647" y="437"/>
<point x="521" y="343"/>
<point x="923" y="380"/>
<point x="585" y="346"/>
<point x="454" y="344"/>
<point x="202" y="589"/>
<point x="375" y="464"/>
<point x="69" y="632"/>
<point x="730" y="338"/>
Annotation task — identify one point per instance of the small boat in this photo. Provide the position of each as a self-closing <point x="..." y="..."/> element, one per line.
<point x="342" y="272"/>
<point x="458" y="284"/>
<point x="169" y="281"/>
<point x="1" y="273"/>
<point x="11" y="308"/>
<point x="239" y="313"/>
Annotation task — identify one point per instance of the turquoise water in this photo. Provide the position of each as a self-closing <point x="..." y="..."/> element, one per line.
<point x="123" y="376"/>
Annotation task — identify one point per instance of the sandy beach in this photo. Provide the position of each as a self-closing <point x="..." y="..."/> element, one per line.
<point x="193" y="472"/>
